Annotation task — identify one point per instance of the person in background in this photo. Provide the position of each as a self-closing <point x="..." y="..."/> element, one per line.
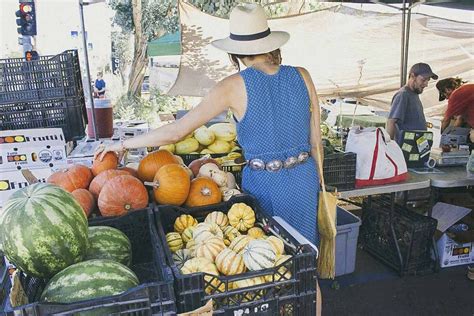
<point x="460" y="96"/>
<point x="406" y="112"/>
<point x="277" y="114"/>
<point x="99" y="86"/>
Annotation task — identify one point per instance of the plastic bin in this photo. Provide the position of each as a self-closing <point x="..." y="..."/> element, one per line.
<point x="414" y="233"/>
<point x="294" y="295"/>
<point x="340" y="170"/>
<point x="154" y="296"/>
<point x="346" y="241"/>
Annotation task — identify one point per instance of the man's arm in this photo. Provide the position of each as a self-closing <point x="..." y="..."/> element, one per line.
<point x="391" y="127"/>
<point x="397" y="113"/>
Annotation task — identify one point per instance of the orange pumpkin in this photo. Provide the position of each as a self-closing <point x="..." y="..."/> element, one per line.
<point x="203" y="191"/>
<point x="110" y="161"/>
<point x="172" y="184"/>
<point x="85" y="199"/>
<point x="131" y="171"/>
<point x="98" y="182"/>
<point x="152" y="162"/>
<point x="70" y="179"/>
<point x="122" y="194"/>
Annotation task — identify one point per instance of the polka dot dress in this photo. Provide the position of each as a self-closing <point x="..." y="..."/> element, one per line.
<point x="276" y="125"/>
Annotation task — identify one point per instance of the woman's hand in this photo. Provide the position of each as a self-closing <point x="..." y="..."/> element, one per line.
<point x="103" y="149"/>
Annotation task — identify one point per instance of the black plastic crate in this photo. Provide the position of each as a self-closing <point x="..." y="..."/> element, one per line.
<point x="154" y="296"/>
<point x="49" y="77"/>
<point x="414" y="233"/>
<point x="65" y="113"/>
<point x="297" y="293"/>
<point x="340" y="170"/>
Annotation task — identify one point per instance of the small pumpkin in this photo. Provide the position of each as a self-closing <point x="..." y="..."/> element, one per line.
<point x="110" y="161"/>
<point x="259" y="254"/>
<point x="277" y="244"/>
<point x="210" y="248"/>
<point x="73" y="178"/>
<point x="205" y="265"/>
<point x="85" y="199"/>
<point x="250" y="295"/>
<point x="152" y="162"/>
<point x="229" y="262"/>
<point x="217" y="217"/>
<point x="230" y="233"/>
<point x="196" y="164"/>
<point x="181" y="256"/>
<point x="256" y="232"/>
<point x="102" y="178"/>
<point x="171" y="185"/>
<point x="184" y="221"/>
<point x="203" y="191"/>
<point x="204" y="231"/>
<point x="228" y="193"/>
<point x="122" y="194"/>
<point x="191" y="246"/>
<point x="174" y="241"/>
<point x="239" y="243"/>
<point x="187" y="234"/>
<point x="241" y="216"/>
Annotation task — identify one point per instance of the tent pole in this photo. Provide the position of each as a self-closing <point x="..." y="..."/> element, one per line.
<point x="407" y="41"/>
<point x="402" y="62"/>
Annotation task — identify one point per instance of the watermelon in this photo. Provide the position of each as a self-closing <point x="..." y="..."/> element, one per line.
<point x="89" y="280"/>
<point x="109" y="243"/>
<point x="43" y="230"/>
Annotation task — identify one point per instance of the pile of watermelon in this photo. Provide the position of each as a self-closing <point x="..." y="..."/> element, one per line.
<point x="44" y="232"/>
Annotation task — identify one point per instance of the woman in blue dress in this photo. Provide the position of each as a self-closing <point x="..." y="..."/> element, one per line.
<point x="277" y="115"/>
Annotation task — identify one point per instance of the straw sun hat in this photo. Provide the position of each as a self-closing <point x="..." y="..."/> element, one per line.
<point x="249" y="32"/>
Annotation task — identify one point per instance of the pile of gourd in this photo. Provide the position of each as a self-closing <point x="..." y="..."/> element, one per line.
<point x="226" y="245"/>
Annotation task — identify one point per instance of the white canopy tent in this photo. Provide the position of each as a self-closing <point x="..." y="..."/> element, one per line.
<point x="349" y="52"/>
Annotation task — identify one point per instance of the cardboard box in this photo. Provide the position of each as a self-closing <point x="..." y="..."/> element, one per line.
<point x="133" y="129"/>
<point x="84" y="152"/>
<point x="46" y="156"/>
<point x="12" y="181"/>
<point x="454" y="248"/>
<point x="26" y="138"/>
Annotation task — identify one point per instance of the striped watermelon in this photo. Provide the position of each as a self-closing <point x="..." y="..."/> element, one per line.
<point x="259" y="254"/>
<point x="109" y="243"/>
<point x="87" y="280"/>
<point x="43" y="230"/>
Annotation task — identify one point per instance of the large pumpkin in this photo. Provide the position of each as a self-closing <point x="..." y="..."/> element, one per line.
<point x="122" y="194"/>
<point x="110" y="161"/>
<point x="152" y="162"/>
<point x="85" y="199"/>
<point x="102" y="178"/>
<point x="43" y="230"/>
<point x="171" y="185"/>
<point x="70" y="179"/>
<point x="203" y="191"/>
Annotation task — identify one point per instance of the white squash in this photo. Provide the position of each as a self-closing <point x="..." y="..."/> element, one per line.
<point x="204" y="136"/>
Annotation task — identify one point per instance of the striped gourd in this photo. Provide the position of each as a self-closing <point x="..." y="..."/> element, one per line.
<point x="277" y="244"/>
<point x="256" y="232"/>
<point x="217" y="217"/>
<point x="184" y="221"/>
<point x="191" y="246"/>
<point x="253" y="295"/>
<point x="239" y="243"/>
<point x="205" y="265"/>
<point x="181" y="256"/>
<point x="210" y="248"/>
<point x="241" y="216"/>
<point x="89" y="279"/>
<point x="204" y="231"/>
<point x="229" y="262"/>
<point x="43" y="230"/>
<point x="187" y="234"/>
<point x="259" y="254"/>
<point x="174" y="240"/>
<point x="230" y="232"/>
<point x="109" y="243"/>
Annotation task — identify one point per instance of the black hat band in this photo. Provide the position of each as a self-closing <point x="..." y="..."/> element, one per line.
<point x="250" y="37"/>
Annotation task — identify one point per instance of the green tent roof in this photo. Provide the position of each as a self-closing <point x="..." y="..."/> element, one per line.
<point x="169" y="44"/>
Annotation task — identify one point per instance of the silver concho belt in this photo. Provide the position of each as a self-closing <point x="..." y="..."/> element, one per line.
<point x="276" y="165"/>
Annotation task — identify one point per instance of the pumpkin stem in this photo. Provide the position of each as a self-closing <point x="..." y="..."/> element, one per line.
<point x="152" y="184"/>
<point x="128" y="207"/>
<point x="206" y="191"/>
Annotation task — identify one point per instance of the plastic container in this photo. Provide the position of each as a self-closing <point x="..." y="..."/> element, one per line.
<point x="340" y="170"/>
<point x="346" y="241"/>
<point x="104" y="119"/>
<point x="154" y="295"/>
<point x="65" y="113"/>
<point x="414" y="233"/>
<point x="294" y="295"/>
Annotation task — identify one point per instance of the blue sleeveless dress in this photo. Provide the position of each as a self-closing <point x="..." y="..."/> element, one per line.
<point x="276" y="125"/>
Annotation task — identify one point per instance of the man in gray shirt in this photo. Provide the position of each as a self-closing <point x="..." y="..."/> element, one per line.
<point x="407" y="111"/>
